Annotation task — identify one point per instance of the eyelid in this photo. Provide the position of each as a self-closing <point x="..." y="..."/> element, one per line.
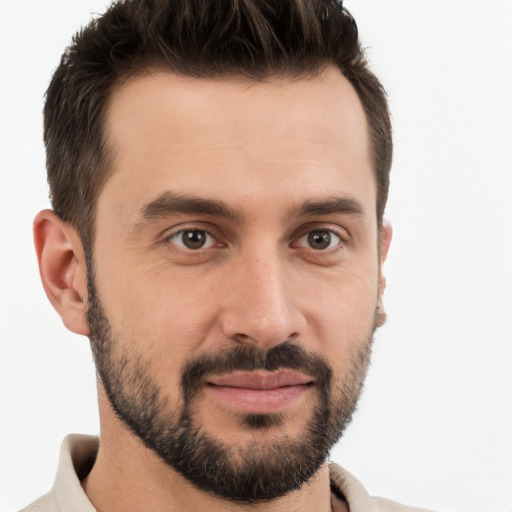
<point x="334" y="233"/>
<point x="169" y="234"/>
<point x="175" y="238"/>
<point x="339" y="231"/>
<point x="186" y="226"/>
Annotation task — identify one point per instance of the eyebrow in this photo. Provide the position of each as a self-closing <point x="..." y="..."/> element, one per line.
<point x="344" y="205"/>
<point x="171" y="203"/>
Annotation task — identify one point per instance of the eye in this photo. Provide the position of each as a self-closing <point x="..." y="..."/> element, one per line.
<point x="319" y="240"/>
<point x="192" y="239"/>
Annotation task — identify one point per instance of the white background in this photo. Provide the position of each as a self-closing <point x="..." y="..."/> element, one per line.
<point x="434" y="427"/>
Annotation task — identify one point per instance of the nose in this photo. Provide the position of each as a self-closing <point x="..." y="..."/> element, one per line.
<point x="259" y="305"/>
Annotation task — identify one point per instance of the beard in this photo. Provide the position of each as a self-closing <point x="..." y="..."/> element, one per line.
<point x="256" y="472"/>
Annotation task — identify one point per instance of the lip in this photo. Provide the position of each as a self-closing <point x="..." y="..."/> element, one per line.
<point x="260" y="379"/>
<point x="260" y="392"/>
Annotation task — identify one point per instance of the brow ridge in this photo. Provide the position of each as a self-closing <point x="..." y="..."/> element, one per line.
<point x="333" y="205"/>
<point x="170" y="203"/>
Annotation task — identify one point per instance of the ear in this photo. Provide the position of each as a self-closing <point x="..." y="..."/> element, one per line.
<point x="385" y="241"/>
<point x="62" y="268"/>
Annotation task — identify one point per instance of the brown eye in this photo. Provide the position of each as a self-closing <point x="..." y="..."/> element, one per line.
<point x="319" y="240"/>
<point x="193" y="239"/>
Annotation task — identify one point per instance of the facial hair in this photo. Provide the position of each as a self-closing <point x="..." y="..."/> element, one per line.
<point x="256" y="472"/>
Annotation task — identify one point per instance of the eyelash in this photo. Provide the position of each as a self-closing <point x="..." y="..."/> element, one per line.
<point x="317" y="231"/>
<point x="176" y="234"/>
<point x="171" y="239"/>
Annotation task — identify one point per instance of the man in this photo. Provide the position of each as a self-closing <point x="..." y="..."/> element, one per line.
<point x="219" y="173"/>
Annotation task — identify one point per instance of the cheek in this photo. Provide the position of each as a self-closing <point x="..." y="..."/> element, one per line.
<point x="341" y="312"/>
<point x="161" y="315"/>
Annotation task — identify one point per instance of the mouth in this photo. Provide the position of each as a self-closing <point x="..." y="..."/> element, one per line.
<point x="260" y="392"/>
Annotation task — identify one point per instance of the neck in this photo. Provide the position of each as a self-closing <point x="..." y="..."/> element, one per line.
<point x="128" y="476"/>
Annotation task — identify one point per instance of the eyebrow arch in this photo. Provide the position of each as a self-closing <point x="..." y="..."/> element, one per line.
<point x="171" y="203"/>
<point x="329" y="206"/>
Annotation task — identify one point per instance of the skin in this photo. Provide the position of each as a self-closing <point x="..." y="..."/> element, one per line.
<point x="263" y="149"/>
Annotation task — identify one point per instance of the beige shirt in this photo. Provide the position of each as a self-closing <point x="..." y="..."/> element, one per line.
<point x="78" y="453"/>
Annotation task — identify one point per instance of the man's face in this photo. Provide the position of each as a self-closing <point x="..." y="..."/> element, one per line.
<point x="236" y="274"/>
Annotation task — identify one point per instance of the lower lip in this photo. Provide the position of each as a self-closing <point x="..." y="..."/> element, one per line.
<point x="260" y="401"/>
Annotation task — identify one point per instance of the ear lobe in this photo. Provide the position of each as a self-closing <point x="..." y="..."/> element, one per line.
<point x="385" y="241"/>
<point x="62" y="268"/>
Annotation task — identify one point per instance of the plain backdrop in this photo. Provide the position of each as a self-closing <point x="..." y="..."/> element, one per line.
<point x="434" y="426"/>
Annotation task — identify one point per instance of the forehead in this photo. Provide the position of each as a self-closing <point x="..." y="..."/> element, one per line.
<point x="238" y="137"/>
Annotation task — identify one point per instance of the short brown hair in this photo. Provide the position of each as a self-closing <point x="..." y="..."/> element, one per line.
<point x="256" y="39"/>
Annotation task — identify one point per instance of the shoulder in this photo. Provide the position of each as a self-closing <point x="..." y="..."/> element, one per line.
<point x="45" y="503"/>
<point x="385" y="505"/>
<point x="77" y="455"/>
<point x="358" y="498"/>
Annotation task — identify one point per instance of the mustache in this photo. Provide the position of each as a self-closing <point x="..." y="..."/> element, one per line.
<point x="285" y="356"/>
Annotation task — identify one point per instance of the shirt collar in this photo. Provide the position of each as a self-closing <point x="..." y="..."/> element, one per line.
<point x="78" y="453"/>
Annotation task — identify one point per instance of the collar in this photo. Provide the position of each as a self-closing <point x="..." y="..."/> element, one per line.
<point x="78" y="453"/>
